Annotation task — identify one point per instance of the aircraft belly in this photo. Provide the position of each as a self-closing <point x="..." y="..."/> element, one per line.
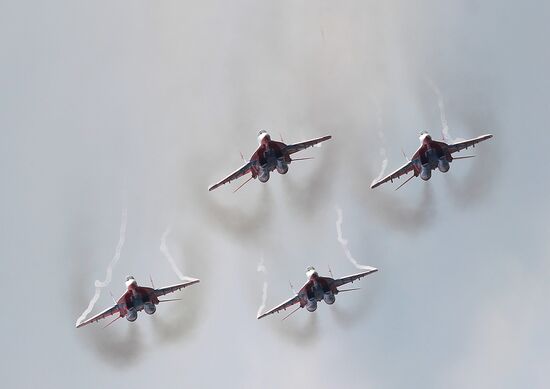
<point x="318" y="293"/>
<point x="432" y="159"/>
<point x="270" y="160"/>
<point x="138" y="303"/>
<point x="271" y="164"/>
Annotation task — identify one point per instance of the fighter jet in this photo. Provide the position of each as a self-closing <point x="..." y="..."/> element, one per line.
<point x="270" y="155"/>
<point x="431" y="155"/>
<point x="136" y="299"/>
<point x="317" y="288"/>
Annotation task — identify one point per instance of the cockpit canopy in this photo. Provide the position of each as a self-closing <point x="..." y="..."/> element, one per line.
<point x="263" y="134"/>
<point x="310" y="271"/>
<point x="130" y="280"/>
<point x="424" y="135"/>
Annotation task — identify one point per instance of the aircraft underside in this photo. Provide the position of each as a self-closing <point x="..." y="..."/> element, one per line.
<point x="270" y="165"/>
<point x="148" y="307"/>
<point x="434" y="162"/>
<point x="316" y="295"/>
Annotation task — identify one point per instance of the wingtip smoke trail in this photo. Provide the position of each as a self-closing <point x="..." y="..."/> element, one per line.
<point x="382" y="151"/>
<point x="262" y="269"/>
<point x="99" y="285"/>
<point x="166" y="252"/>
<point x="441" y="104"/>
<point x="384" y="165"/>
<point x="344" y="243"/>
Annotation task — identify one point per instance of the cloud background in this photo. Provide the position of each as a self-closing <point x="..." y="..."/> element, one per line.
<point x="143" y="104"/>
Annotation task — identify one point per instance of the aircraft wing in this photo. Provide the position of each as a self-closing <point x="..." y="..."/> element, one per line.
<point x="293" y="148"/>
<point x="454" y="147"/>
<point x="354" y="277"/>
<point x="288" y="303"/>
<point x="106" y="313"/>
<point x="173" y="288"/>
<point x="409" y="166"/>
<point x="233" y="176"/>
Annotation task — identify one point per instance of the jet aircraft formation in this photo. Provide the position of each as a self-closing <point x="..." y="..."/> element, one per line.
<point x="274" y="155"/>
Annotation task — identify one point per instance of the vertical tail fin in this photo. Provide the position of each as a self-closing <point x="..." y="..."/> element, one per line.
<point x="292" y="287"/>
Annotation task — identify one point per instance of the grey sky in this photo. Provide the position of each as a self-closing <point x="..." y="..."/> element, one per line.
<point x="141" y="104"/>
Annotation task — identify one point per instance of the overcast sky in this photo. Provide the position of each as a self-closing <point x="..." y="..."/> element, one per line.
<point x="140" y="105"/>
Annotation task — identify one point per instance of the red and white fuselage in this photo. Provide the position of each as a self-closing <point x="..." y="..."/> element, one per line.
<point x="430" y="156"/>
<point x="135" y="299"/>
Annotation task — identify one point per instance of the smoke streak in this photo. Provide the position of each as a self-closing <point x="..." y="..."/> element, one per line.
<point x="232" y="220"/>
<point x="318" y="182"/>
<point x="380" y="134"/>
<point x="164" y="250"/>
<point x="344" y="243"/>
<point x="441" y="105"/>
<point x="348" y="317"/>
<point x="99" y="285"/>
<point x="182" y="318"/>
<point x="477" y="182"/>
<point x="302" y="331"/>
<point x="262" y="269"/>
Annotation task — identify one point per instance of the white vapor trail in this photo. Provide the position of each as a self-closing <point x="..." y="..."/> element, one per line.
<point x="164" y="250"/>
<point x="262" y="269"/>
<point x="99" y="285"/>
<point x="382" y="151"/>
<point x="344" y="243"/>
<point x="445" y="130"/>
